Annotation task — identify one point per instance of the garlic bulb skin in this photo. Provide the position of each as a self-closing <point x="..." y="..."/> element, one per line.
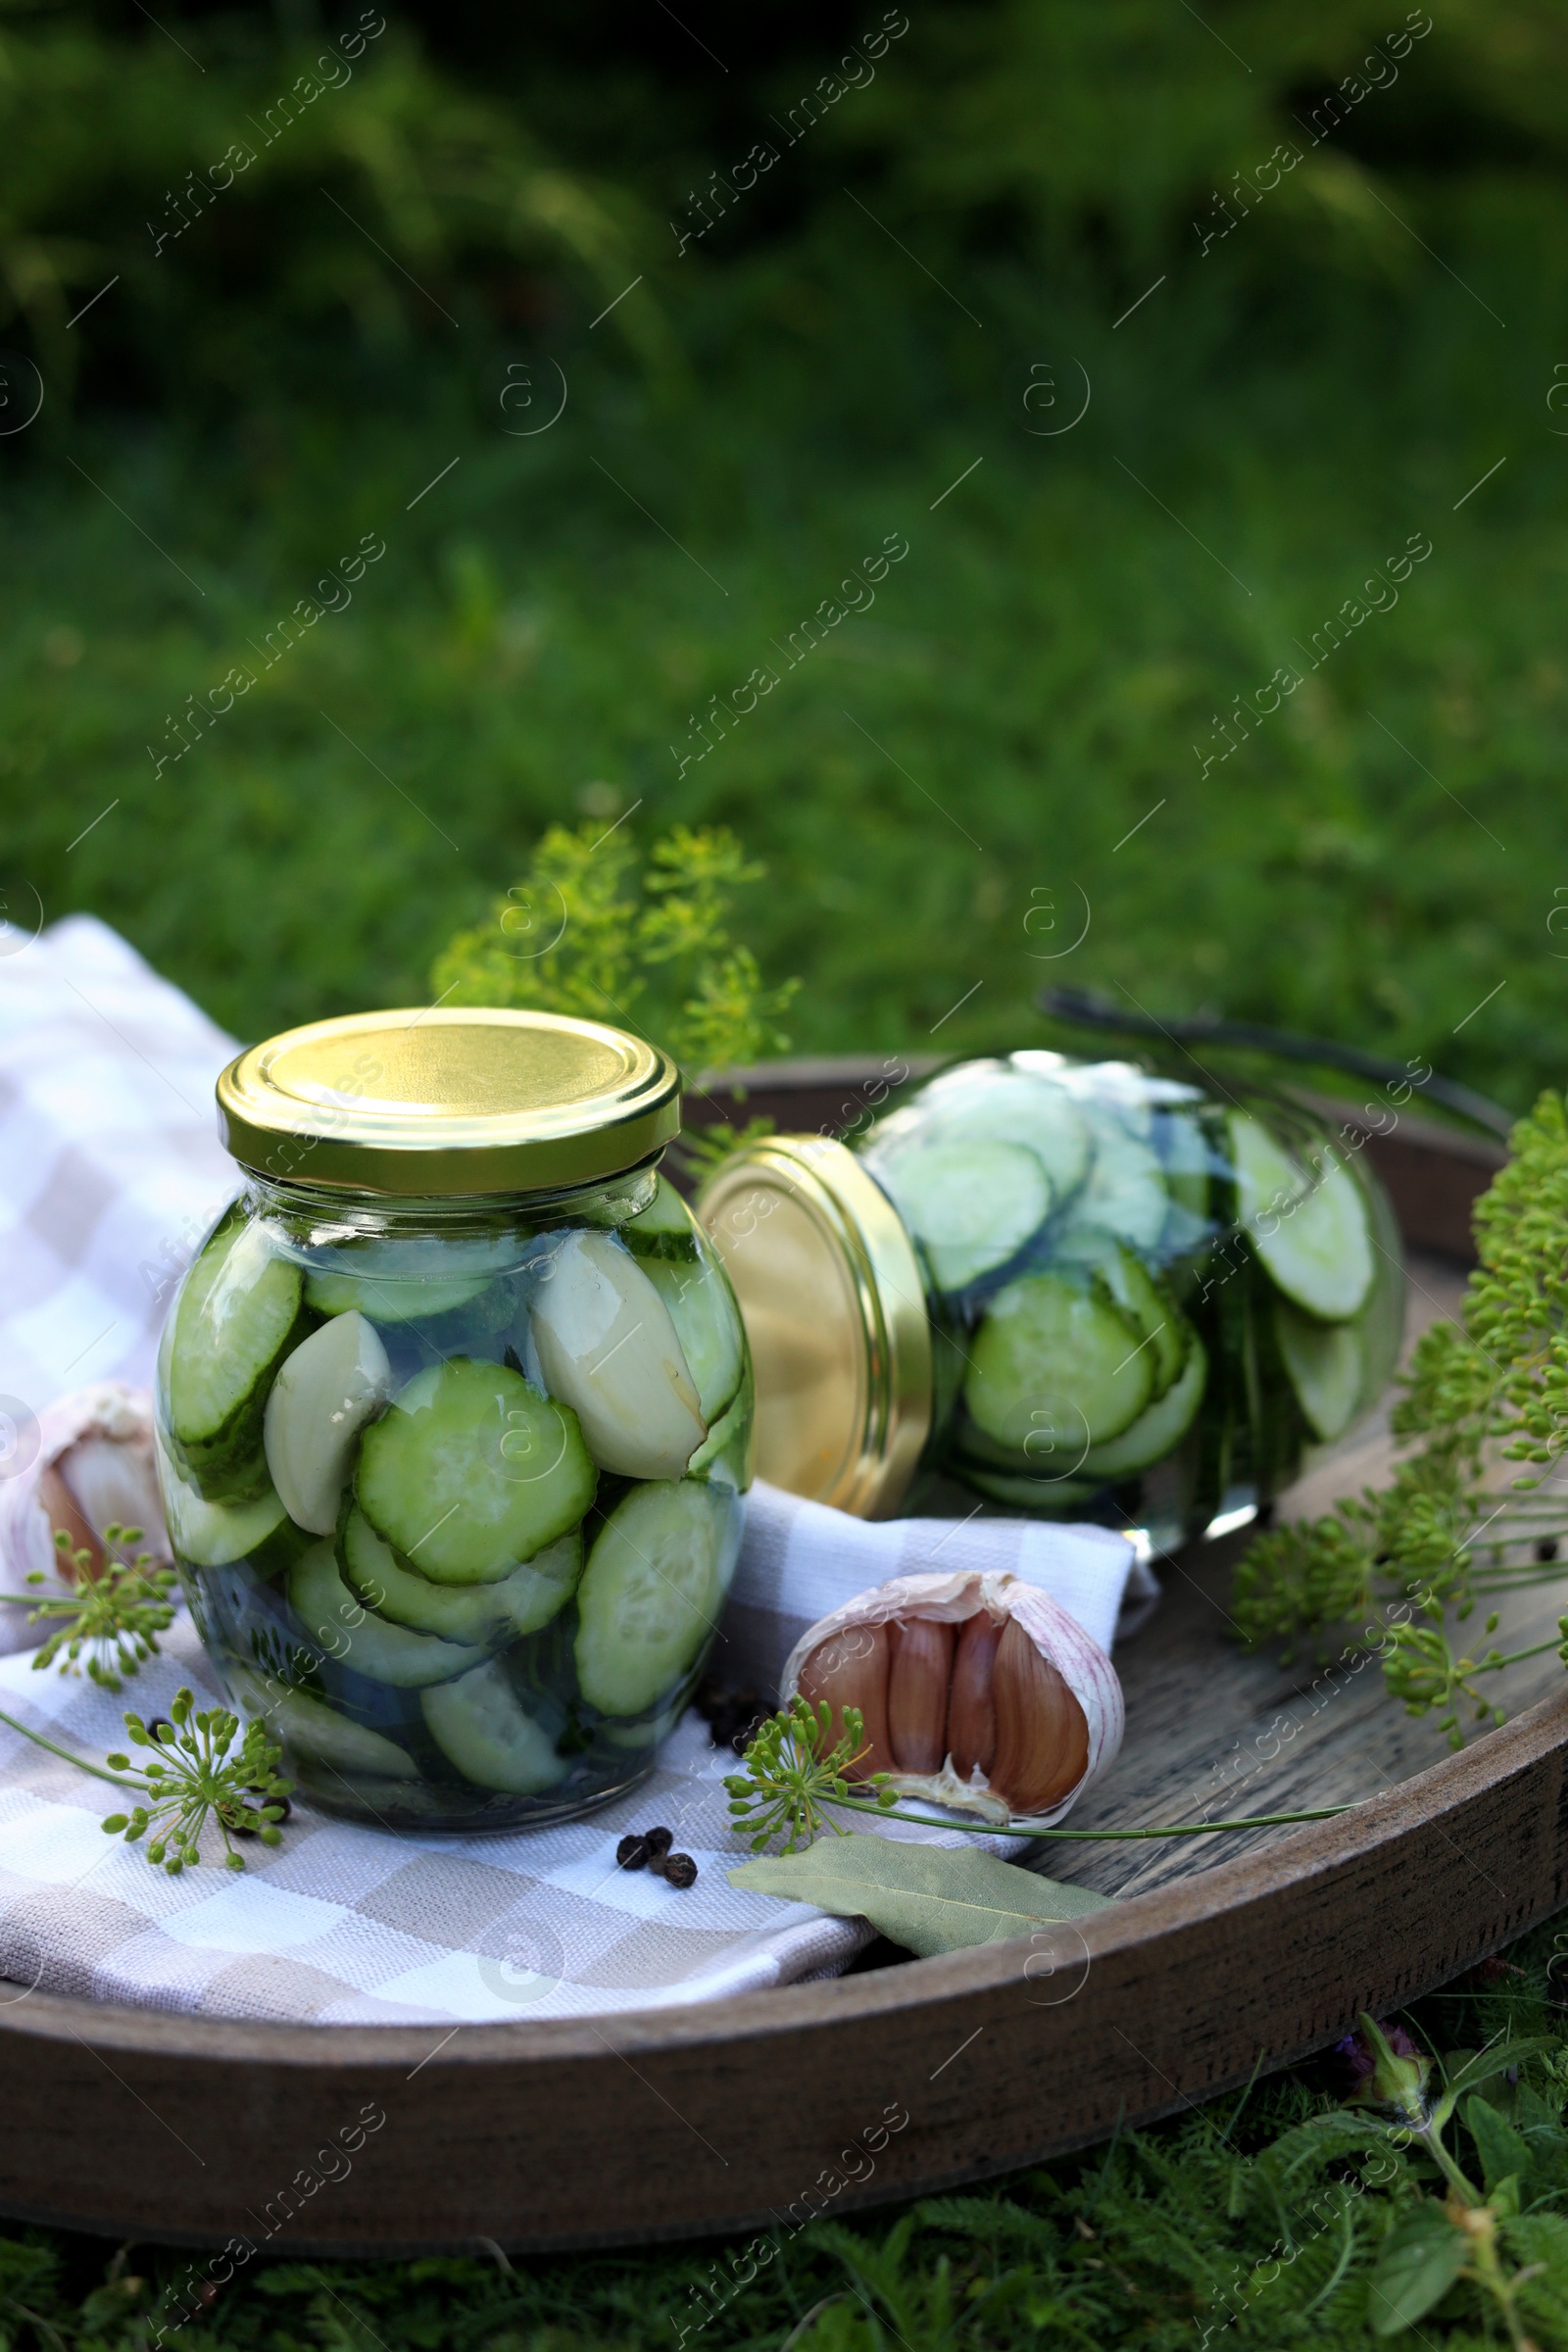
<point x="1076" y="1677"/>
<point x="92" y="1468"/>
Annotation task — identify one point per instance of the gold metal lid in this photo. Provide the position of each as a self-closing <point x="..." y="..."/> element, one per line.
<point x="834" y="1308"/>
<point x="449" y="1101"/>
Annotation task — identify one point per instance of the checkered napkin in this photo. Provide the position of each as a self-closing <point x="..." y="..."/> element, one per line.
<point x="110" y="1171"/>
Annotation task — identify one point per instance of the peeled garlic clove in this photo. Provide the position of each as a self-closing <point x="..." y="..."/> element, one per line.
<point x="607" y="1348"/>
<point x="849" y="1669"/>
<point x="918" y="1695"/>
<point x="1018" y="1707"/>
<point x="334" y="1383"/>
<point x="971" y="1709"/>
<point x="1042" y="1737"/>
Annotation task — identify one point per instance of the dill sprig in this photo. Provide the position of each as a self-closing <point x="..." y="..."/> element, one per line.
<point x="195" y="1774"/>
<point x="114" y="1617"/>
<point x="796" y="1777"/>
<point x="1423" y="1552"/>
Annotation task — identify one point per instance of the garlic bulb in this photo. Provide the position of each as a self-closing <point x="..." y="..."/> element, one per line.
<point x="93" y="1469"/>
<point x="977" y="1692"/>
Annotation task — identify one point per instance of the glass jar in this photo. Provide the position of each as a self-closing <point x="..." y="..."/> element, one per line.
<point x="1078" y="1288"/>
<point x="454" y="1416"/>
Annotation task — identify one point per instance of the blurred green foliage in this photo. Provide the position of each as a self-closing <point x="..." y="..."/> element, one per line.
<point x="1283" y="407"/>
<point x="593" y="932"/>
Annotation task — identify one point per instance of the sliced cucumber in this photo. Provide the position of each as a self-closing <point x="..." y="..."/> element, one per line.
<point x="1032" y="1493"/>
<point x="479" y="1726"/>
<point x="1327" y="1367"/>
<point x="608" y="1348"/>
<point x="725" y="1453"/>
<point x="324" y="1392"/>
<point x="521" y="1603"/>
<point x="664" y="1229"/>
<point x="1125" y="1193"/>
<point x="472" y="1471"/>
<point x="1056" y="1365"/>
<point x="708" y="1324"/>
<point x="346" y="1630"/>
<point x="1158" y="1428"/>
<point x="234" y="1322"/>
<point x="1008" y="1106"/>
<point x="652" y="1592"/>
<point x="1159" y="1319"/>
<point x="209" y="1535"/>
<point x="973" y="1204"/>
<point x="320" y="1731"/>
<point x="410" y="1281"/>
<point x="1308" y="1226"/>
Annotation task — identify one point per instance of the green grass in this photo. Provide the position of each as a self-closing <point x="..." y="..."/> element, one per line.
<point x="1189" y="2226"/>
<point x="946" y="775"/>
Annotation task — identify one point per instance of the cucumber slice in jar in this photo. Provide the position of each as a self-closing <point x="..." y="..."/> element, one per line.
<point x="652" y="1592"/>
<point x="973" y="1204"/>
<point x="996" y="1105"/>
<point x="412" y="1280"/>
<point x="479" y="1726"/>
<point x="521" y="1603"/>
<point x="662" y="1229"/>
<point x="471" y="1472"/>
<point x="1158" y="1429"/>
<point x="708" y="1324"/>
<point x="1308" y="1226"/>
<point x="209" y="1535"/>
<point x="1021" y="1493"/>
<point x="232" y="1327"/>
<point x="1057" y="1367"/>
<point x="1151" y="1307"/>
<point x="340" y="1624"/>
<point x="320" y="1731"/>
<point x="608" y="1348"/>
<point x="324" y="1392"/>
<point x="1125" y="1192"/>
<point x="1327" y="1367"/>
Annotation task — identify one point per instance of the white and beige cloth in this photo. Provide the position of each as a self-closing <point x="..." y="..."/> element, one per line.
<point x="109" y="1170"/>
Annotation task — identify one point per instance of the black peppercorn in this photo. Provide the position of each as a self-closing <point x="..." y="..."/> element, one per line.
<point x="678" y="1870"/>
<point x="659" y="1839"/>
<point x="632" y="1851"/>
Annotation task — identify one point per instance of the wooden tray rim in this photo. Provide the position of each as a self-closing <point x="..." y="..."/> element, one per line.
<point x="1441" y="1793"/>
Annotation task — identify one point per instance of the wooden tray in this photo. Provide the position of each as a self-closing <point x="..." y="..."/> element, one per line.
<point x="1224" y="1954"/>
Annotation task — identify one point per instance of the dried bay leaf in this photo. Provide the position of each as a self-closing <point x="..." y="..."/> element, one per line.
<point x="930" y="1898"/>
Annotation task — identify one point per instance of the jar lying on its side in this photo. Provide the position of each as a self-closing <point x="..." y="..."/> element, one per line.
<point x="454" y="1415"/>
<point x="1080" y="1289"/>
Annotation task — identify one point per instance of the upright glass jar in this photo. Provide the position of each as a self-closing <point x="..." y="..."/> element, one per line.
<point x="454" y="1416"/>
<point x="1078" y="1288"/>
